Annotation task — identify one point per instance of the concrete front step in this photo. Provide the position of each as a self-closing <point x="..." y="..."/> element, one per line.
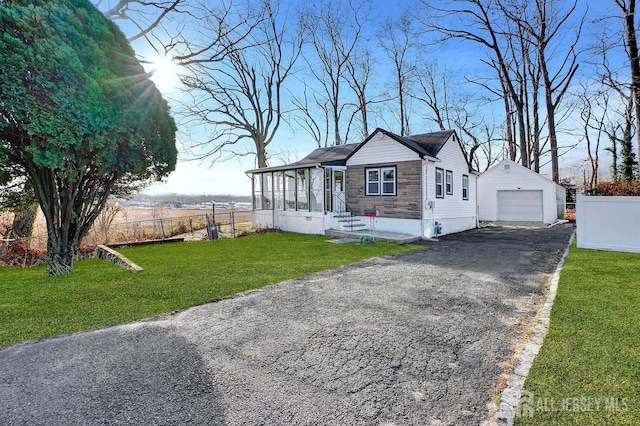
<point x="355" y="225"/>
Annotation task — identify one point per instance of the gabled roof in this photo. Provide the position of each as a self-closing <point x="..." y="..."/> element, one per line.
<point x="517" y="166"/>
<point x="433" y="142"/>
<point x="329" y="156"/>
<point x="425" y="145"/>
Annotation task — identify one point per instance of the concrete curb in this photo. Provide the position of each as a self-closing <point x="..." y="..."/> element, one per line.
<point x="110" y="255"/>
<point x="510" y="397"/>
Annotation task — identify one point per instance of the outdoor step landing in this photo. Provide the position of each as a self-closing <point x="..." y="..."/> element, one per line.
<point x="377" y="235"/>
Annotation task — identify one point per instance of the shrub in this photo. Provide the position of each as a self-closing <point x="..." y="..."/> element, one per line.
<point x="622" y="188"/>
<point x="265" y="230"/>
<point x="18" y="255"/>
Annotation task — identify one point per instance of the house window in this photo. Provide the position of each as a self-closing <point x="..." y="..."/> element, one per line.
<point x="465" y="187"/>
<point x="388" y="181"/>
<point x="449" y="182"/>
<point x="381" y="181"/>
<point x="439" y="183"/>
<point x="373" y="181"/>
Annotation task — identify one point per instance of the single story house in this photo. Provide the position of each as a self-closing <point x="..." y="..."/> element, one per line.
<point x="418" y="185"/>
<point x="511" y="192"/>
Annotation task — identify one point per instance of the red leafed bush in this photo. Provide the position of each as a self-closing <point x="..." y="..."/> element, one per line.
<point x="257" y="231"/>
<point x="623" y="188"/>
<point x="570" y="214"/>
<point x="18" y="255"/>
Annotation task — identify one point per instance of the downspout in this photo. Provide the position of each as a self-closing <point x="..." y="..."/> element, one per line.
<point x="423" y="195"/>
<point x="273" y="198"/>
<point x="477" y="206"/>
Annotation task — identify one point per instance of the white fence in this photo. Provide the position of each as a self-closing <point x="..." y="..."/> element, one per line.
<point x="608" y="223"/>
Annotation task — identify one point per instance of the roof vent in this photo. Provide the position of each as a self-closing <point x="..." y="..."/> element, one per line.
<point x="507" y="167"/>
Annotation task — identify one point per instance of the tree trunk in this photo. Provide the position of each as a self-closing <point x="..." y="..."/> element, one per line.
<point x="23" y="222"/>
<point x="261" y="152"/>
<point x="403" y="129"/>
<point x="632" y="42"/>
<point x="524" y="156"/>
<point x="511" y="146"/>
<point x="60" y="256"/>
<point x="553" y="140"/>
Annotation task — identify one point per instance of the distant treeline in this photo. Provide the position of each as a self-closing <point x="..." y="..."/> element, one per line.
<point x="189" y="198"/>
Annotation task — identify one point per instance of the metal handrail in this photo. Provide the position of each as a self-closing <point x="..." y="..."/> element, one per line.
<point x="343" y="207"/>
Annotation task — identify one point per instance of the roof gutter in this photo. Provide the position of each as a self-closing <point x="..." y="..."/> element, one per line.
<point x="285" y="167"/>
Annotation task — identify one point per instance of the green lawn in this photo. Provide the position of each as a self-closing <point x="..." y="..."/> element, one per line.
<point x="588" y="370"/>
<point x="178" y="275"/>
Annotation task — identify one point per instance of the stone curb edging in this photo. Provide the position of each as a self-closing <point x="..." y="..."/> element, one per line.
<point x="110" y="255"/>
<point x="510" y="397"/>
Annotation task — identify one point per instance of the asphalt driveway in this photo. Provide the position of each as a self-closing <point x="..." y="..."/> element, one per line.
<point x="420" y="338"/>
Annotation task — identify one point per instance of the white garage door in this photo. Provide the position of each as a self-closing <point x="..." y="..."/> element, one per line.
<point x="520" y="206"/>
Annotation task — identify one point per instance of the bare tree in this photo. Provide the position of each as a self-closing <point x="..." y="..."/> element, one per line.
<point x="145" y="16"/>
<point x="334" y="30"/>
<point x="358" y="77"/>
<point x="431" y="91"/>
<point x="619" y="113"/>
<point x="397" y="40"/>
<point x="482" y="22"/>
<point x="311" y="114"/>
<point x="628" y="9"/>
<point x="236" y="76"/>
<point x="546" y="26"/>
<point x="451" y="109"/>
<point x="105" y="219"/>
<point x="593" y="116"/>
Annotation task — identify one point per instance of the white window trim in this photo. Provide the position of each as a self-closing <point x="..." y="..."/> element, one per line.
<point x="448" y="184"/>
<point x="368" y="181"/>
<point x="465" y="187"/>
<point x="381" y="180"/>
<point x="440" y="172"/>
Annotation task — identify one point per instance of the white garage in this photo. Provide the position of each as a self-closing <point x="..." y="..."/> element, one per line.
<point x="512" y="193"/>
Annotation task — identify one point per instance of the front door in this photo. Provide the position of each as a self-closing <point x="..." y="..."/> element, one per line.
<point x="339" y="201"/>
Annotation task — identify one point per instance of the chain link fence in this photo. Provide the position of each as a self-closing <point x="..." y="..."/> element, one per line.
<point x="229" y="224"/>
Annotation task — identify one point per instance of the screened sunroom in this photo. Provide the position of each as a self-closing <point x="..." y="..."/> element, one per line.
<point x="295" y="197"/>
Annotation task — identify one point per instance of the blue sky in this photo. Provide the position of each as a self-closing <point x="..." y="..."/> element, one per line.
<point x="228" y="177"/>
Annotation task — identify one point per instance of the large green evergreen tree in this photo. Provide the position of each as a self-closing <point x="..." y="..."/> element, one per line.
<point x="78" y="114"/>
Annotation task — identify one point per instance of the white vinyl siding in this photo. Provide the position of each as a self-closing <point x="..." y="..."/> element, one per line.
<point x="451" y="207"/>
<point x="382" y="150"/>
